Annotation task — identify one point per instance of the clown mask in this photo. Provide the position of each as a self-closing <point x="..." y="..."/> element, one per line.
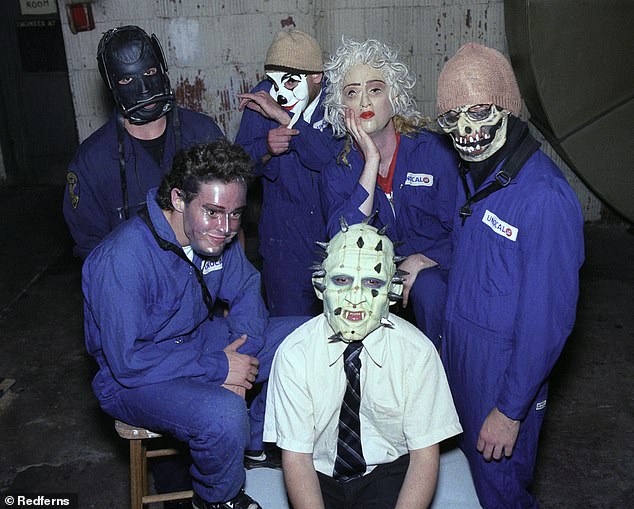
<point x="359" y="281"/>
<point x="477" y="131"/>
<point x="290" y="91"/>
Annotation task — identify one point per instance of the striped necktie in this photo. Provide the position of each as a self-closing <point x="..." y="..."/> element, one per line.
<point x="349" y="463"/>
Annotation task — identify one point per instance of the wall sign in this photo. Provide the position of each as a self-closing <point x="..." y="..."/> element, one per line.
<point x="30" y="7"/>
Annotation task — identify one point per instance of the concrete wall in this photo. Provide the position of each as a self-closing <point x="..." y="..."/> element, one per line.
<point x="216" y="48"/>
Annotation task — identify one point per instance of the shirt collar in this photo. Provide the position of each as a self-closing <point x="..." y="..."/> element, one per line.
<point x="374" y="344"/>
<point x="310" y="109"/>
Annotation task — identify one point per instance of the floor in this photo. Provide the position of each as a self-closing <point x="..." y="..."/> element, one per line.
<point x="55" y="439"/>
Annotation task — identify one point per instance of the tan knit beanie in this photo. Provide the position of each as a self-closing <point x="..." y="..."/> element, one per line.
<point x="294" y="50"/>
<point x="478" y="75"/>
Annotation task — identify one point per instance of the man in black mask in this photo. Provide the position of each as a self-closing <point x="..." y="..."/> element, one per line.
<point x="113" y="169"/>
<point x="513" y="283"/>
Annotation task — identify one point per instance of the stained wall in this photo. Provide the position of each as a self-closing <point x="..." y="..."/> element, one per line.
<point x="216" y="48"/>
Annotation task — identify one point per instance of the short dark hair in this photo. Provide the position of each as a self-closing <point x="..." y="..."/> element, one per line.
<point x="219" y="160"/>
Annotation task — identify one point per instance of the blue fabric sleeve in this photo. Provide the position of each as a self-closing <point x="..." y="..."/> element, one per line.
<point x="241" y="290"/>
<point x="123" y="324"/>
<point x="88" y="221"/>
<point x="342" y="195"/>
<point x="551" y="257"/>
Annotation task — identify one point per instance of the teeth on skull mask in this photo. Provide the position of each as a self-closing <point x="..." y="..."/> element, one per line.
<point x="477" y="131"/>
<point x="357" y="282"/>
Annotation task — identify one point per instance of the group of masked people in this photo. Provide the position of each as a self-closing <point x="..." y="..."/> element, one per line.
<point x="465" y="223"/>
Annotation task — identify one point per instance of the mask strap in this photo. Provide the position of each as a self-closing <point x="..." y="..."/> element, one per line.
<point x="527" y="146"/>
<point x="122" y="172"/>
<point x="144" y="214"/>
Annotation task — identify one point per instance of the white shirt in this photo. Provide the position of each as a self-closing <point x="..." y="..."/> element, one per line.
<point x="405" y="399"/>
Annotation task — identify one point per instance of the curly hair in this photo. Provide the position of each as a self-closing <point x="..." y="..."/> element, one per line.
<point x="203" y="163"/>
<point x="407" y="119"/>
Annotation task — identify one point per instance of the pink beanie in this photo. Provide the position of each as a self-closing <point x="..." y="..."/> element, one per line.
<point x="478" y="75"/>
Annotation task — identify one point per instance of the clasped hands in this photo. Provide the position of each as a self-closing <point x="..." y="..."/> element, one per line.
<point x="243" y="369"/>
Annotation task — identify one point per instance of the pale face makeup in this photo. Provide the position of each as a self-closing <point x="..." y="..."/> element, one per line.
<point x="367" y="94"/>
<point x="212" y="219"/>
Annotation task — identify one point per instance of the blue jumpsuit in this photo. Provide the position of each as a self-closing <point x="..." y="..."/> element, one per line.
<point x="161" y="360"/>
<point x="420" y="214"/>
<point x="511" y="304"/>
<point x="291" y="219"/>
<point x="93" y="203"/>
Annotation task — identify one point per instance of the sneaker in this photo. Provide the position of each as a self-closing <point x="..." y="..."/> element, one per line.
<point x="270" y="458"/>
<point x="240" y="501"/>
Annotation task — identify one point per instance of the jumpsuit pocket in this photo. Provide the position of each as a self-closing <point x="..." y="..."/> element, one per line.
<point x="498" y="260"/>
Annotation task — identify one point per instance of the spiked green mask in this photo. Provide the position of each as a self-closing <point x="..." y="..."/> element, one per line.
<point x="357" y="281"/>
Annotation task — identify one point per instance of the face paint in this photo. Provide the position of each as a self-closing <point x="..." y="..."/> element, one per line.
<point x="358" y="276"/>
<point x="289" y="90"/>
<point x="367" y="94"/>
<point x="212" y="219"/>
<point x="477" y="131"/>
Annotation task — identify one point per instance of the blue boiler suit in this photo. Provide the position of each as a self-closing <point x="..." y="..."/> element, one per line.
<point x="291" y="218"/>
<point x="161" y="360"/>
<point x="420" y="215"/>
<point x="511" y="304"/>
<point x="93" y="203"/>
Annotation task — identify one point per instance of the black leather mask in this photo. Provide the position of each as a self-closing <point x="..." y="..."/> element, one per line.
<point x="134" y="69"/>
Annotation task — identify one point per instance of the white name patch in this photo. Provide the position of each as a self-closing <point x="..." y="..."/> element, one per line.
<point x="211" y="265"/>
<point x="419" y="179"/>
<point x="499" y="227"/>
<point x="320" y="125"/>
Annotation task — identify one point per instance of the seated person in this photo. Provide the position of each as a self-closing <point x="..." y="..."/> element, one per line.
<point x="379" y="447"/>
<point x="165" y="362"/>
<point x="393" y="167"/>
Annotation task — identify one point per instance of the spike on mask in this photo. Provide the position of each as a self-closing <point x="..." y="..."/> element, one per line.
<point x="358" y="281"/>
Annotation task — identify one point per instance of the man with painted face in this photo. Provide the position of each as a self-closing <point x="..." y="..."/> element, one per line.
<point x="513" y="286"/>
<point x="392" y="410"/>
<point x="281" y="128"/>
<point x="113" y="169"/>
<point x="392" y="167"/>
<point x="165" y="362"/>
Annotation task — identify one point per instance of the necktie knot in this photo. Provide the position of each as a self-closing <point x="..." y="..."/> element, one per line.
<point x="352" y="351"/>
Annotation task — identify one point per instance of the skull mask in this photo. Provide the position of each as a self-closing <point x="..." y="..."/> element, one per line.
<point x="477" y="131"/>
<point x="359" y="281"/>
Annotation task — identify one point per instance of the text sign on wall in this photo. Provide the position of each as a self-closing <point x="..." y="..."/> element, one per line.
<point x="38" y="7"/>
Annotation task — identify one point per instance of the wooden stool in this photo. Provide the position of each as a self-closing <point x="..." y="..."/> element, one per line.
<point x="139" y="453"/>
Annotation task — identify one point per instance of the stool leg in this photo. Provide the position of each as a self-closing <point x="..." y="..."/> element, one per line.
<point x="138" y="484"/>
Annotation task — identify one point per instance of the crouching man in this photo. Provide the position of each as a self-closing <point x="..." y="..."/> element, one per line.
<point x="165" y="362"/>
<point x="358" y="400"/>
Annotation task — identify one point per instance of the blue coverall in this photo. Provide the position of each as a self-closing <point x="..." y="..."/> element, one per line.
<point x="161" y="360"/>
<point x="291" y="218"/>
<point x="93" y="203"/>
<point x="420" y="214"/>
<point x="511" y="304"/>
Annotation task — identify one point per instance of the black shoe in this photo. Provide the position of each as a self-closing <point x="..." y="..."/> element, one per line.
<point x="240" y="501"/>
<point x="270" y="458"/>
